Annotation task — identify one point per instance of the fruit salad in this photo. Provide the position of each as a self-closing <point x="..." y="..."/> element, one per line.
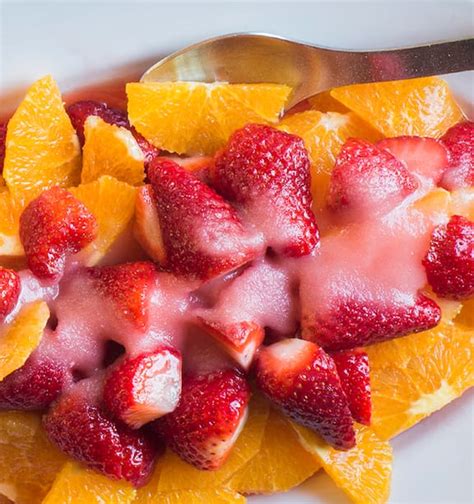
<point x="202" y="298"/>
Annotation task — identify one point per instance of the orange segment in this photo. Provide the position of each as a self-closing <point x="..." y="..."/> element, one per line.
<point x="197" y="118"/>
<point x="178" y="475"/>
<point x="324" y="102"/>
<point x="111" y="150"/>
<point x="113" y="204"/>
<point x="462" y="202"/>
<point x="324" y="134"/>
<point x="207" y="496"/>
<point x="414" y="376"/>
<point x="423" y="107"/>
<point x="75" y="484"/>
<point x="10" y="211"/>
<point x="281" y="463"/>
<point x="21" y="337"/>
<point x="28" y="461"/>
<point x="466" y="317"/>
<point x="42" y="149"/>
<point x="363" y="473"/>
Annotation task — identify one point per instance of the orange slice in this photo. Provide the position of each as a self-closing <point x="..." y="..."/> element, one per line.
<point x="462" y="202"/>
<point x="281" y="464"/>
<point x="363" y="473"/>
<point x="28" y="461"/>
<point x="466" y="317"/>
<point x="324" y="134"/>
<point x="423" y="107"/>
<point x="21" y="337"/>
<point x="414" y="376"/>
<point x="324" y="102"/>
<point x="110" y="150"/>
<point x="178" y="475"/>
<point x="10" y="211"/>
<point x="113" y="204"/>
<point x="197" y="118"/>
<point x="207" y="496"/>
<point x="75" y="484"/>
<point x="42" y="149"/>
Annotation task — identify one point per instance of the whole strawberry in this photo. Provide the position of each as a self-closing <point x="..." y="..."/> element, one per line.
<point x="266" y="172"/>
<point x="449" y="262"/>
<point x="10" y="286"/>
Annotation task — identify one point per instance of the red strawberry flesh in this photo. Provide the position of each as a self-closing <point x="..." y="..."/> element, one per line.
<point x="52" y="227"/>
<point x="83" y="430"/>
<point x="367" y="181"/>
<point x="267" y="173"/>
<point x="202" y="234"/>
<point x="144" y="388"/>
<point x="353" y="370"/>
<point x="449" y="262"/>
<point x="10" y="286"/>
<point x="209" y="417"/>
<point x="302" y="380"/>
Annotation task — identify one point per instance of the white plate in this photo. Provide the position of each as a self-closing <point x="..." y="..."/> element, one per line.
<point x="433" y="461"/>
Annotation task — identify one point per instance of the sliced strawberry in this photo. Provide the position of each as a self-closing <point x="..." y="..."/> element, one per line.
<point x="147" y="224"/>
<point x="449" y="263"/>
<point x="202" y="234"/>
<point x="353" y="370"/>
<point x="10" y="287"/>
<point x="129" y="287"/>
<point x="459" y="141"/>
<point x="266" y="172"/>
<point x="240" y="339"/>
<point x="35" y="385"/>
<point x="198" y="165"/>
<point x="210" y="415"/>
<point x="82" y="429"/>
<point x="141" y="389"/>
<point x="355" y="322"/>
<point x="3" y="138"/>
<point x="81" y="110"/>
<point x="52" y="227"/>
<point x="425" y="157"/>
<point x="367" y="181"/>
<point x="302" y="380"/>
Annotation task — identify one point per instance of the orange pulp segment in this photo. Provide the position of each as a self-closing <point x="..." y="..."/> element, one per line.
<point x="198" y="118"/>
<point x="10" y="211"/>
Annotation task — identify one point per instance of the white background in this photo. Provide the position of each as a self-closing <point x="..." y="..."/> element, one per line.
<point x="78" y="41"/>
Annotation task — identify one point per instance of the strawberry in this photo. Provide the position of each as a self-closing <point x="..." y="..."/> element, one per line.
<point x="209" y="417"/>
<point x="35" y="385"/>
<point x="459" y="141"/>
<point x="202" y="234"/>
<point x="81" y="110"/>
<point x="449" y="262"/>
<point x="52" y="227"/>
<point x="10" y="287"/>
<point x="353" y="370"/>
<point x="82" y="429"/>
<point x="267" y="173"/>
<point x="3" y="138"/>
<point x="354" y="322"/>
<point x="147" y="224"/>
<point x="240" y="339"/>
<point x="302" y="380"/>
<point x="128" y="286"/>
<point x="425" y="157"/>
<point x="367" y="181"/>
<point x="143" y="388"/>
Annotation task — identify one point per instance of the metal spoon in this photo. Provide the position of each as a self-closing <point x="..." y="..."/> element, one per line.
<point x="308" y="69"/>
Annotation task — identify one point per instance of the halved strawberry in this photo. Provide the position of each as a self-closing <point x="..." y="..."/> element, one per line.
<point x="353" y="370"/>
<point x="267" y="173"/>
<point x="10" y="287"/>
<point x="367" y="181"/>
<point x="425" y="157"/>
<point x="147" y="224"/>
<point x="143" y="388"/>
<point x="128" y="286"/>
<point x="459" y="141"/>
<point x="210" y="415"/>
<point x="81" y="428"/>
<point x="202" y="234"/>
<point x="52" y="227"/>
<point x="449" y="262"/>
<point x="35" y="385"/>
<point x="198" y="165"/>
<point x="355" y="322"/>
<point x="302" y="380"/>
